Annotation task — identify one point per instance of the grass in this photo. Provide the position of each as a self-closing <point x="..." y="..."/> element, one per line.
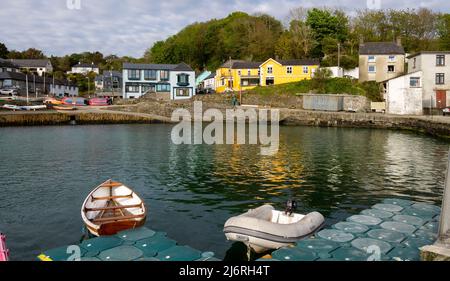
<point x="347" y="86"/>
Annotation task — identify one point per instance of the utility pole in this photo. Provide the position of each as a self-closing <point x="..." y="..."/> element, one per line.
<point x="26" y="85"/>
<point x="339" y="57"/>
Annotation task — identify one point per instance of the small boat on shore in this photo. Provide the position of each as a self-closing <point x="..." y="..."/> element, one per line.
<point x="264" y="229"/>
<point x="63" y="108"/>
<point x="112" y="207"/>
<point x="4" y="252"/>
<point x="34" y="107"/>
<point x="12" y="107"/>
<point x="75" y="101"/>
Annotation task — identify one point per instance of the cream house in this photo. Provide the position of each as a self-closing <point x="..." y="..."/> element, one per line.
<point x="380" y="61"/>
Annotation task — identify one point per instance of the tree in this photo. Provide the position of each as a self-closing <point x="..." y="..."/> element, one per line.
<point x="327" y="24"/>
<point x="3" y="51"/>
<point x="33" y="53"/>
<point x="444" y="32"/>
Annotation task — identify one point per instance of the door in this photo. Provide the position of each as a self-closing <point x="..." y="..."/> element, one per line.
<point x="441" y="99"/>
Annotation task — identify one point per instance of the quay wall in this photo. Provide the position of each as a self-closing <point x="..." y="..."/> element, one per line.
<point x="437" y="126"/>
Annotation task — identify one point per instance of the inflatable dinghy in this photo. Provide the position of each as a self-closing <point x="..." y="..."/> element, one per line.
<point x="264" y="229"/>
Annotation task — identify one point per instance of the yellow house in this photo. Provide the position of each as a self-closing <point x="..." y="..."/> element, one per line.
<point x="274" y="72"/>
<point x="237" y="75"/>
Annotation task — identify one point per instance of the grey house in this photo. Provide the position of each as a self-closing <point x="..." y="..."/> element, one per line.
<point x="167" y="81"/>
<point x="38" y="67"/>
<point x="109" y="84"/>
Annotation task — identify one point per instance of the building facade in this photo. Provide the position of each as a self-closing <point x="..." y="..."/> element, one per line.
<point x="84" y="68"/>
<point x="435" y="67"/>
<point x="381" y="61"/>
<point x="168" y="81"/>
<point x="275" y="72"/>
<point x="237" y="75"/>
<point x="109" y="84"/>
<point x="37" y="86"/>
<point x="424" y="89"/>
<point x="38" y="67"/>
<point x="210" y="82"/>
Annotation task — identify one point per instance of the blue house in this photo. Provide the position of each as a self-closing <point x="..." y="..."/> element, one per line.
<point x="166" y="81"/>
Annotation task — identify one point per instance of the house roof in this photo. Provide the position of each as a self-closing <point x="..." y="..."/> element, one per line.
<point x="85" y="65"/>
<point x="31" y="63"/>
<point x="381" y="48"/>
<point x="9" y="64"/>
<point x="142" y="66"/>
<point x="107" y="75"/>
<point x="211" y="76"/>
<point x="18" y="76"/>
<point x="241" y="64"/>
<point x="428" y="53"/>
<point x="299" y="62"/>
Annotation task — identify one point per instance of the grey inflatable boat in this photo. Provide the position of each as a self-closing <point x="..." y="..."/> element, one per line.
<point x="265" y="228"/>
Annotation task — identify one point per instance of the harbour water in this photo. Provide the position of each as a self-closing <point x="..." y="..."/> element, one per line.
<point x="190" y="191"/>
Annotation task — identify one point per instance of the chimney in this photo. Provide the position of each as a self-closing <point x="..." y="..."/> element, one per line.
<point x="399" y="41"/>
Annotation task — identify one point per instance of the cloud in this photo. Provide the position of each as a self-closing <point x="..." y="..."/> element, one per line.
<point x="129" y="27"/>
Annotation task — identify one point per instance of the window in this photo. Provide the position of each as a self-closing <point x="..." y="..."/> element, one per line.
<point x="150" y="74"/>
<point x="372" y="68"/>
<point x="249" y="73"/>
<point x="305" y="70"/>
<point x="269" y="70"/>
<point x="391" y="58"/>
<point x="239" y="73"/>
<point x="440" y="60"/>
<point x="163" y="88"/>
<point x="259" y="72"/>
<point x="182" y="92"/>
<point x="134" y="74"/>
<point x="148" y="88"/>
<point x="391" y="68"/>
<point x="223" y="82"/>
<point x="414" y="82"/>
<point x="183" y="79"/>
<point x="133" y="89"/>
<point x="372" y="58"/>
<point x="289" y="70"/>
<point x="164" y="75"/>
<point x="440" y="78"/>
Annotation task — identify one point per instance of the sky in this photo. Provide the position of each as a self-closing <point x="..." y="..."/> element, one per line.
<point x="129" y="27"/>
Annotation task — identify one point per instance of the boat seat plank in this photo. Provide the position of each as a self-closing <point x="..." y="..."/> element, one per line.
<point x="113" y="184"/>
<point x="113" y="208"/>
<point x="112" y="197"/>
<point x="120" y="218"/>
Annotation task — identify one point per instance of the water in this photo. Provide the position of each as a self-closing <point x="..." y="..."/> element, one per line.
<point x="46" y="173"/>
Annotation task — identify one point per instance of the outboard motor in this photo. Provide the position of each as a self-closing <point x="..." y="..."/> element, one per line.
<point x="291" y="207"/>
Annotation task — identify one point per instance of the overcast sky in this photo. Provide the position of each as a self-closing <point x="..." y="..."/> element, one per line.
<point x="129" y="27"/>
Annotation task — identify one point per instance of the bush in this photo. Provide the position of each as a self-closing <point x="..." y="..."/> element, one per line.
<point x="372" y="91"/>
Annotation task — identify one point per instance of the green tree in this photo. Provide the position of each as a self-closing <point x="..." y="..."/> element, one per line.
<point x="3" y="51"/>
<point x="444" y="32"/>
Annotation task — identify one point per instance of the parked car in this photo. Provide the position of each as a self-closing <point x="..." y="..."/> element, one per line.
<point x="9" y="91"/>
<point x="446" y="111"/>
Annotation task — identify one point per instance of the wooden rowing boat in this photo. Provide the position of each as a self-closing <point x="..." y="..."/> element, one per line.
<point x="112" y="207"/>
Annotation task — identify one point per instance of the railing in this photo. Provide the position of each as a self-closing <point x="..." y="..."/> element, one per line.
<point x="444" y="228"/>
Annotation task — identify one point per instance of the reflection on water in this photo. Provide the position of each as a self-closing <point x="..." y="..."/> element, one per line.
<point x="191" y="190"/>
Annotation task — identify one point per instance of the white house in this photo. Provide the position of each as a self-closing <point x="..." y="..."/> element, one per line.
<point x="85" y="68"/>
<point x="167" y="81"/>
<point x="210" y="82"/>
<point x="428" y="77"/>
<point x="404" y="94"/>
<point x="339" y="72"/>
<point x="63" y="89"/>
<point x="34" y="66"/>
